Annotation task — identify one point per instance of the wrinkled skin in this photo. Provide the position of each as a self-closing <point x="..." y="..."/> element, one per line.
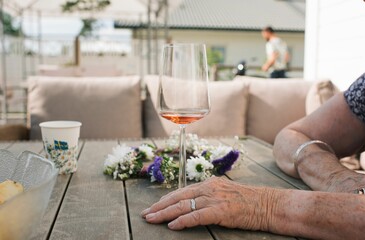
<point x="218" y="201"/>
<point x="335" y="124"/>
<point x="307" y="214"/>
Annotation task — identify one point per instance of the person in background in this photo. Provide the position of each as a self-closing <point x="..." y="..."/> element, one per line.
<point x="277" y="54"/>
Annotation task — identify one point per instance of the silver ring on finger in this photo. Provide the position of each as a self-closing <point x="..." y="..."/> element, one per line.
<point x="192" y="204"/>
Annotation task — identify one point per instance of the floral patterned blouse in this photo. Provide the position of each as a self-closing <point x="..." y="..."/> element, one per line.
<point x="355" y="97"/>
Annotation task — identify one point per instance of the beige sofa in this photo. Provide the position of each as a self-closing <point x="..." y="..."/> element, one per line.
<point x="111" y="107"/>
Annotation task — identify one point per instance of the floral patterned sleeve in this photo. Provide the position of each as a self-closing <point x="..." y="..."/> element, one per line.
<point x="355" y="97"/>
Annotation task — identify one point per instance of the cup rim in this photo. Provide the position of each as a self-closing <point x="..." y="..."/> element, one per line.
<point x="60" y="124"/>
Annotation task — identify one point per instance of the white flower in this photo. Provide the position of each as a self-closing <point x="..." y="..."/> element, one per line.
<point x="147" y="150"/>
<point x="219" y="152"/>
<point x="173" y="141"/>
<point x="121" y="154"/>
<point x="115" y="174"/>
<point x="198" y="168"/>
<point x="153" y="179"/>
<point x="194" y="144"/>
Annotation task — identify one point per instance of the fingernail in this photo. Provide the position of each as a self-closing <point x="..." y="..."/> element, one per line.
<point x="145" y="212"/>
<point x="171" y="225"/>
<point x="150" y="217"/>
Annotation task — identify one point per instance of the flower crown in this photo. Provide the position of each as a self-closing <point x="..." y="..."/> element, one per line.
<point x="203" y="160"/>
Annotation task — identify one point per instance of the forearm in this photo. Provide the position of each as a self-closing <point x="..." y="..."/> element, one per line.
<point x="270" y="62"/>
<point x="318" y="168"/>
<point x="318" y="215"/>
<point x="286" y="143"/>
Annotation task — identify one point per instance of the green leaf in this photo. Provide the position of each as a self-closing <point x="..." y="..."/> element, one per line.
<point x="108" y="171"/>
<point x="9" y="27"/>
<point x="84" y="5"/>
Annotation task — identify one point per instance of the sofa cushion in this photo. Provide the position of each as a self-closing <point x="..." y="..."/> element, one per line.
<point x="319" y="93"/>
<point x="227" y="116"/>
<point x="108" y="107"/>
<point x="273" y="104"/>
<point x="79" y="71"/>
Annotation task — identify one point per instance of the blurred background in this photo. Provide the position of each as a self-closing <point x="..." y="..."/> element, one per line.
<point x="124" y="37"/>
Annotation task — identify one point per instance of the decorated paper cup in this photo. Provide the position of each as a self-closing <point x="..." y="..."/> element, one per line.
<point x="60" y="140"/>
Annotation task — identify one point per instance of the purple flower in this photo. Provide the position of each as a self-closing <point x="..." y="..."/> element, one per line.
<point x="150" y="168"/>
<point x="204" y="153"/>
<point x="224" y="164"/>
<point x="155" y="169"/>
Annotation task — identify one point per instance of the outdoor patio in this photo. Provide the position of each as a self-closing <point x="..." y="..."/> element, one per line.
<point x="108" y="75"/>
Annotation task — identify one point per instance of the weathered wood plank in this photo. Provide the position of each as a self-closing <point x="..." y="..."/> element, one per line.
<point x="5" y="144"/>
<point x="94" y="204"/>
<point x="141" y="195"/>
<point x="250" y="173"/>
<point x="46" y="224"/>
<point x="32" y="146"/>
<point x="263" y="156"/>
<point x="221" y="233"/>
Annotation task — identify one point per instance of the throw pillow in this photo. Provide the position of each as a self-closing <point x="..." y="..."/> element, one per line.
<point x="318" y="94"/>
<point x="108" y="107"/>
<point x="273" y="104"/>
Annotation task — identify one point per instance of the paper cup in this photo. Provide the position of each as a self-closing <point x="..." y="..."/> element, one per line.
<point x="60" y="140"/>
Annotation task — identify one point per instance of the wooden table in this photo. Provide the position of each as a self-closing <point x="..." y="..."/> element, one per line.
<point x="90" y="205"/>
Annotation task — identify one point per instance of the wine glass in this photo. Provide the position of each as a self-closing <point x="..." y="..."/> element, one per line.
<point x="183" y="90"/>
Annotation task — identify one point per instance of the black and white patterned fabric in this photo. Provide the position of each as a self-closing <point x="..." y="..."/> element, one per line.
<point x="355" y="97"/>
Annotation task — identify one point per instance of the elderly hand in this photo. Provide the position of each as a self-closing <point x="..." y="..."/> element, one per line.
<point x="218" y="201"/>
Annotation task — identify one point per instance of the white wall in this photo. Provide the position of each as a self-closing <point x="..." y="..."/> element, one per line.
<point x="335" y="40"/>
<point x="239" y="46"/>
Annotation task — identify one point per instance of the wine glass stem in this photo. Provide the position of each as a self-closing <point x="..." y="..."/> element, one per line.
<point x="182" y="157"/>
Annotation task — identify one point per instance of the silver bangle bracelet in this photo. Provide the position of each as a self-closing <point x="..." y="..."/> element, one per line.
<point x="306" y="144"/>
<point x="360" y="191"/>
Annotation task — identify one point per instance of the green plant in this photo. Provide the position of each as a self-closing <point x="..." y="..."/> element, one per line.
<point x="87" y="27"/>
<point x="9" y="27"/>
<point x="84" y="6"/>
<point x="214" y="57"/>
